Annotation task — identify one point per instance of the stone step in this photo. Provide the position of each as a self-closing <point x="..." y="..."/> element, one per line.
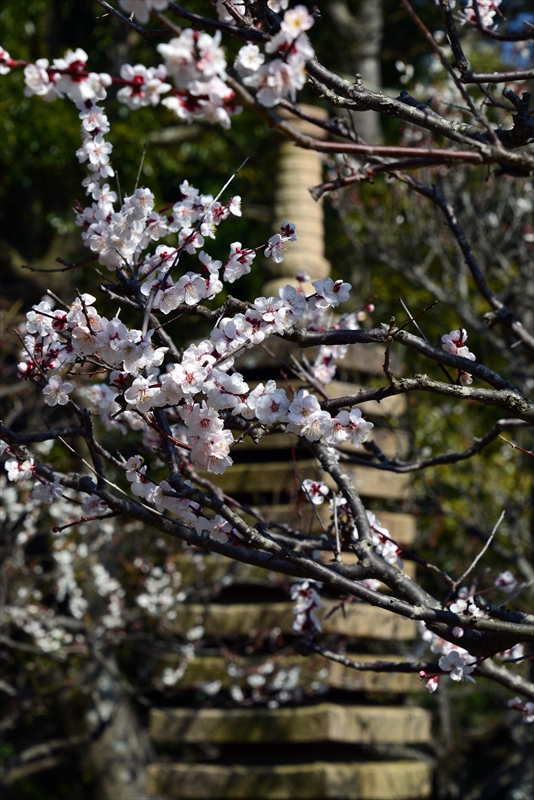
<point x="355" y="620"/>
<point x="392" y="443"/>
<point x="379" y="780"/>
<point x="273" y="477"/>
<point x="324" y="722"/>
<point x="313" y="668"/>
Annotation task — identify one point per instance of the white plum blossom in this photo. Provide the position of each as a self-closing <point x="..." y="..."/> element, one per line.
<point x="267" y="403"/>
<point x="56" y="392"/>
<point x="458" y="668"/>
<point x="306" y="417"/>
<point x="330" y="293"/>
<point x="315" y="491"/>
<point x="47" y="492"/>
<point x="5" y="62"/>
<point x="348" y="426"/>
<point x="307" y="602"/>
<point x="38" y="81"/>
<point x="218" y="529"/>
<point x="92" y="504"/>
<point x="487" y="10"/>
<point x="506" y="581"/>
<point x="454" y="342"/>
<point x="466" y="608"/>
<point x="141" y="394"/>
<point x="238" y="262"/>
<point x="249" y="59"/>
<point x="296" y="21"/>
<point x="145" y="85"/>
<point x="18" y="470"/>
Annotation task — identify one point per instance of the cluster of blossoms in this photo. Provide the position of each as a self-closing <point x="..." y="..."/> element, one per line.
<point x="194" y="61"/>
<point x="453" y="659"/>
<point x="307" y="602"/>
<point x="384" y="545"/>
<point x="487" y="9"/>
<point x="284" y="74"/>
<point x="454" y="343"/>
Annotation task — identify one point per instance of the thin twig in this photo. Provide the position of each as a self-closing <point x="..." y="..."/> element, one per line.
<point x="477" y="559"/>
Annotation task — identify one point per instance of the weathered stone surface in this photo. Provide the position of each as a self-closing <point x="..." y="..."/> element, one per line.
<point x="386" y="780"/>
<point x="280" y="477"/>
<point x="240" y="619"/>
<point x="325" y="722"/>
<point x="210" y="668"/>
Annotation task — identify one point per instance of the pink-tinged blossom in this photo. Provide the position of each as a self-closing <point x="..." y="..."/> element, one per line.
<point x="92" y="505"/>
<point x="307" y="602"/>
<point x="349" y="426"/>
<point x="39" y="319"/>
<point x="6" y="62"/>
<point x="211" y="455"/>
<point x="38" y="81"/>
<point x="276" y="248"/>
<point x="48" y="492"/>
<point x="517" y="651"/>
<point x="94" y="120"/>
<point x="57" y="391"/>
<point x="293" y="302"/>
<point x="506" y="581"/>
<point x="315" y="491"/>
<point x="189" y="376"/>
<point x="458" y="668"/>
<point x="238" y="262"/>
<point x="487" y="10"/>
<point x="274" y="81"/>
<point x="324" y="367"/>
<point x="192" y="287"/>
<point x="454" y="343"/>
<point x="272" y="312"/>
<point x="359" y="428"/>
<point x="218" y="529"/>
<point x="212" y="59"/>
<point x="141" y="9"/>
<point x="330" y="293"/>
<point x="145" y="85"/>
<point x="19" y="470"/>
<point x="432" y="684"/>
<point x="466" y="608"/>
<point x="306" y="417"/>
<point x="74" y="81"/>
<point x="225" y="391"/>
<point x="190" y="240"/>
<point x="141" y="393"/>
<point x="95" y="150"/>
<point x="267" y="403"/>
